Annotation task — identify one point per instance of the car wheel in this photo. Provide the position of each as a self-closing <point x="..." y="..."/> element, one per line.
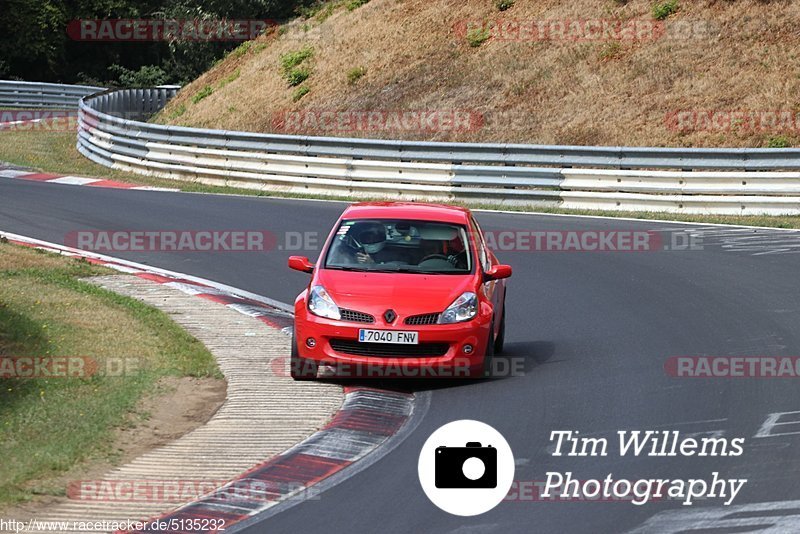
<point x="301" y="368"/>
<point x="488" y="356"/>
<point x="501" y="335"/>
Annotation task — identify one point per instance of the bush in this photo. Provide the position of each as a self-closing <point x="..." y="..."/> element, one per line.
<point x="297" y="76"/>
<point x="326" y="11"/>
<point x="779" y="141"/>
<point x="146" y="76"/>
<point x="476" y="36"/>
<point x="293" y="59"/>
<point x="241" y="50"/>
<point x="355" y="4"/>
<point x="502" y="5"/>
<point x="85" y="79"/>
<point x="308" y="11"/>
<point x="355" y="74"/>
<point x="202" y="93"/>
<point x="663" y="10"/>
<point x="300" y="92"/>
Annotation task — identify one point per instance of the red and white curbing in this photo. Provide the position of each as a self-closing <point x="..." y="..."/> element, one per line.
<point x="24" y="174"/>
<point x="367" y="419"/>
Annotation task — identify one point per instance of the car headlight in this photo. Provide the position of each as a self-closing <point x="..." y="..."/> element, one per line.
<point x="462" y="309"/>
<point x="320" y="303"/>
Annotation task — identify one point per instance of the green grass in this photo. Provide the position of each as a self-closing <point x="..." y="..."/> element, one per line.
<point x="609" y="51"/>
<point x="503" y="5"/>
<point x="241" y="50"/>
<point x="49" y="425"/>
<point x="229" y="78"/>
<point x="355" y="4"/>
<point x="662" y="10"/>
<point x="326" y="11"/>
<point x="355" y="74"/>
<point x="290" y="60"/>
<point x="177" y="112"/>
<point x="300" y="92"/>
<point x="292" y="72"/>
<point x="202" y="93"/>
<point x="477" y="36"/>
<point x="779" y="141"/>
<point x="55" y="152"/>
<point x="311" y="10"/>
<point x="297" y="76"/>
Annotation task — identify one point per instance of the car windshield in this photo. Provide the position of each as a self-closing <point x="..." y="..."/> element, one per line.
<point x="383" y="245"/>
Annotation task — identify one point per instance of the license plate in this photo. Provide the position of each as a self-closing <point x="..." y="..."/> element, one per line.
<point x="395" y="337"/>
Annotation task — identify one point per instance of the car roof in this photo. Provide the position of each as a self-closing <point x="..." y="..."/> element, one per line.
<point x="419" y="211"/>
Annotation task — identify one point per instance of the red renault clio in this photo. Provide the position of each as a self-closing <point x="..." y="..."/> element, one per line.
<point x="401" y="289"/>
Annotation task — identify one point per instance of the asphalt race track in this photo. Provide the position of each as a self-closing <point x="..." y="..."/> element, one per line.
<point x="593" y="330"/>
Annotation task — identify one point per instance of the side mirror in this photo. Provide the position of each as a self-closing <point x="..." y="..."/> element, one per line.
<point x="498" y="272"/>
<point x="300" y="263"/>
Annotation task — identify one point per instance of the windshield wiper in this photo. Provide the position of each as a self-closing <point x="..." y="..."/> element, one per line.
<point x="409" y="270"/>
<point x="347" y="268"/>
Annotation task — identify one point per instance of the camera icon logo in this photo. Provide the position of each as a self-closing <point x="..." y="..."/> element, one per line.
<point x="472" y="466"/>
<point x="466" y="467"/>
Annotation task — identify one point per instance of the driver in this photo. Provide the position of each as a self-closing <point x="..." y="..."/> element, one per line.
<point x="372" y="237"/>
<point x="371" y="241"/>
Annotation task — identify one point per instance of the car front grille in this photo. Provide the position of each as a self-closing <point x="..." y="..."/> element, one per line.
<point x="356" y="316"/>
<point x="350" y="346"/>
<point x="427" y="318"/>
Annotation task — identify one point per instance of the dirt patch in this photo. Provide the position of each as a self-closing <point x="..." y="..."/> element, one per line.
<point x="185" y="404"/>
<point x="178" y="406"/>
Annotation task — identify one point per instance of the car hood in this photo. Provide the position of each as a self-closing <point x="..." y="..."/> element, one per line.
<point x="405" y="293"/>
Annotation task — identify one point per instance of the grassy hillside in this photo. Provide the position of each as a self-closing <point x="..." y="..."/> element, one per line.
<point x="431" y="55"/>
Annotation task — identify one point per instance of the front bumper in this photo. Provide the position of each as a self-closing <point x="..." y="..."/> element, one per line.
<point x="332" y="339"/>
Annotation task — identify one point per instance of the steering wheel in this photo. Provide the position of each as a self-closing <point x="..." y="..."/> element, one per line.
<point x="432" y="256"/>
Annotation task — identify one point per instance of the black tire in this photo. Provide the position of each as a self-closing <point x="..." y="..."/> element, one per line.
<point x="301" y="368"/>
<point x="488" y="356"/>
<point x="501" y="336"/>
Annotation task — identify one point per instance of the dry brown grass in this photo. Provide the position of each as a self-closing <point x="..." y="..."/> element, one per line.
<point x="564" y="92"/>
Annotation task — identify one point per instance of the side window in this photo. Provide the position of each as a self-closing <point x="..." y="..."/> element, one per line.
<point x="482" y="256"/>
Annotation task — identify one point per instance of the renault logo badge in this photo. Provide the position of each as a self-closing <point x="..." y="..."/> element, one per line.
<point x="389" y="316"/>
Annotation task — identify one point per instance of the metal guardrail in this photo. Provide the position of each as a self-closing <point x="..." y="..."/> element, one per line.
<point x="38" y="95"/>
<point x="479" y="153"/>
<point x="112" y="132"/>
